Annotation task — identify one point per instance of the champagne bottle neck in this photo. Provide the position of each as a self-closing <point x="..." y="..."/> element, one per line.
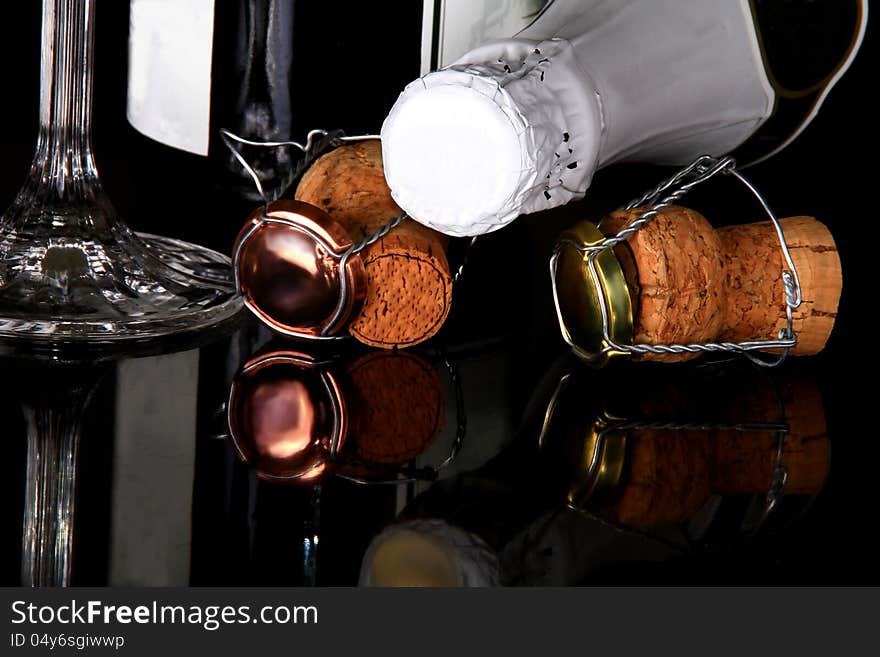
<point x="469" y="148"/>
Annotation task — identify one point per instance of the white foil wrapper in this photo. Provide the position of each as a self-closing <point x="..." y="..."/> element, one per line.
<point x="520" y="125"/>
<point x="469" y="148"/>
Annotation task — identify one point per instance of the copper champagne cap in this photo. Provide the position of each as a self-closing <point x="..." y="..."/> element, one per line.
<point x="287" y="416"/>
<point x="291" y="267"/>
<point x="580" y="293"/>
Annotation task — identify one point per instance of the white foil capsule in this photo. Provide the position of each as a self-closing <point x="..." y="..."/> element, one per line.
<point x="521" y="125"/>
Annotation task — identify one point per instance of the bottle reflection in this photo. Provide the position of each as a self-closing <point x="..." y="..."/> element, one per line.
<point x="429" y="553"/>
<point x="153" y="466"/>
<point x="608" y="476"/>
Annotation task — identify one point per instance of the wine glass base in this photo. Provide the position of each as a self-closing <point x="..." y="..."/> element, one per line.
<point x="136" y="287"/>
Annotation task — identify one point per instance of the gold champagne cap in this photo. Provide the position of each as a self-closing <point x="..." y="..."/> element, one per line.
<point x="581" y="292"/>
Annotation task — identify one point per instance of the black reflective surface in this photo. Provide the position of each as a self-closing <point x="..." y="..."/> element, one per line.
<point x="472" y="455"/>
<point x="162" y="495"/>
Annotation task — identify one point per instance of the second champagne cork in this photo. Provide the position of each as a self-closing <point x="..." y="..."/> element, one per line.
<point x="689" y="283"/>
<point x="409" y="283"/>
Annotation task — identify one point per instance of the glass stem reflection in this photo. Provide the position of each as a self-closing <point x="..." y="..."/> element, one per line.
<point x="310" y="539"/>
<point x="54" y="429"/>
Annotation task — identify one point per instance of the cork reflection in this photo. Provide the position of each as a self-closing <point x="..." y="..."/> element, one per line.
<point x="605" y="480"/>
<point x="690" y="441"/>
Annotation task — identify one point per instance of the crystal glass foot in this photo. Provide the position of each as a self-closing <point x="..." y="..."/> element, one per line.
<point x="70" y="270"/>
<point x="128" y="286"/>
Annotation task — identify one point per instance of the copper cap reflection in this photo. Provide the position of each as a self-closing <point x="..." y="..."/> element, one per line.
<point x="289" y="415"/>
<point x="286" y="416"/>
<point x="290" y="280"/>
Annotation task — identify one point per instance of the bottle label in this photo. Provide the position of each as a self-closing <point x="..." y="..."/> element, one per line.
<point x="169" y="71"/>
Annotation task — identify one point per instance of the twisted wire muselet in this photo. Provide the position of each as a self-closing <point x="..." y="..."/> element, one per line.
<point x="664" y="195"/>
<point x="316" y="142"/>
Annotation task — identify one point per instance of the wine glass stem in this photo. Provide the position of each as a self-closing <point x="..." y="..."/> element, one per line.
<point x="63" y="165"/>
<point x="70" y="269"/>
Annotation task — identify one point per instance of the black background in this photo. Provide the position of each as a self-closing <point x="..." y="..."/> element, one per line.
<point x="829" y="172"/>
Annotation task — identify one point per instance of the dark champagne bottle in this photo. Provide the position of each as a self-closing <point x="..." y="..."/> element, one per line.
<point x="267" y="70"/>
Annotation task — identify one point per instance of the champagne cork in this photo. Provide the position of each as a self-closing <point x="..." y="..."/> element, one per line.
<point x="287" y="416"/>
<point x="690" y="283"/>
<point x="409" y="283"/>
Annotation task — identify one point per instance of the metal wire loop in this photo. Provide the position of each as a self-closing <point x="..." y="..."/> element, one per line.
<point x="654" y="201"/>
<point x="317" y="141"/>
